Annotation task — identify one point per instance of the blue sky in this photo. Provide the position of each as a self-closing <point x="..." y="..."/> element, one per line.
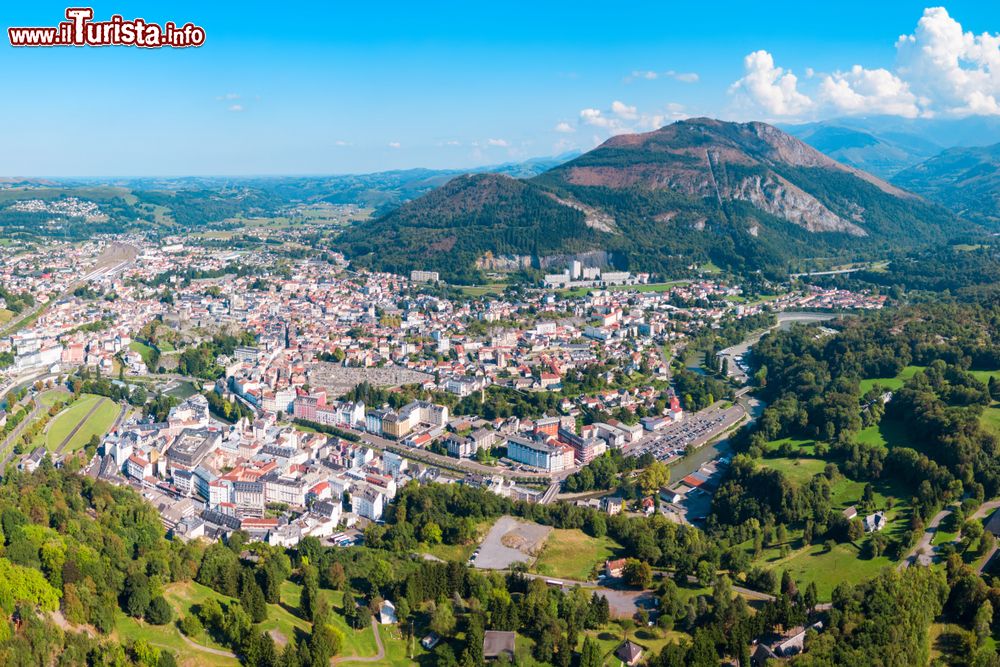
<point x="334" y="87"/>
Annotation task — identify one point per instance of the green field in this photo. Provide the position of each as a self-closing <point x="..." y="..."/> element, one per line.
<point x="991" y="418"/>
<point x="97" y="424"/>
<point x="50" y="397"/>
<point x="887" y="433"/>
<point x="814" y="563"/>
<point x="145" y="351"/>
<point x="481" y="290"/>
<point x="892" y="383"/>
<point x="5" y="315"/>
<point x="573" y="554"/>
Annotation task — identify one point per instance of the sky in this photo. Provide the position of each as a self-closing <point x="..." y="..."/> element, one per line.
<point x="349" y="87"/>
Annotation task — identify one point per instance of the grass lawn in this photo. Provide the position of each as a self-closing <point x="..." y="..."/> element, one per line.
<point x="885" y="434"/>
<point x="145" y="351"/>
<point x="991" y="418"/>
<point x="798" y="470"/>
<point x="458" y="552"/>
<point x="183" y="391"/>
<point x="97" y="424"/>
<point x="5" y="315"/>
<point x="356" y="642"/>
<point x="50" y="397"/>
<point x="574" y="555"/>
<point x="890" y="383"/>
<point x="168" y="637"/>
<point x="480" y="290"/>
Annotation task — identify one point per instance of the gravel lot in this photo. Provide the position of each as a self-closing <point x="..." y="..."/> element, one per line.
<point x="510" y="541"/>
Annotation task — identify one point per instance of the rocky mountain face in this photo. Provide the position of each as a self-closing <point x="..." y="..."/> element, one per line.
<point x="746" y="195"/>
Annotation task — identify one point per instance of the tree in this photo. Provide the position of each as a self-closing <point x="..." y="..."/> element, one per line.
<point x="136" y="596"/>
<point x="159" y="611"/>
<point x="252" y="598"/>
<point x="983" y="621"/>
<point x="590" y="654"/>
<point x="443" y="618"/>
<point x="310" y="591"/>
<point x="191" y="626"/>
<point x="994" y="388"/>
<point x="653" y="478"/>
<point x="637" y="573"/>
<point x="431" y="533"/>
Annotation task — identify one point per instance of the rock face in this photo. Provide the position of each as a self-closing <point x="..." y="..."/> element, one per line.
<point x="748" y="196"/>
<point x="705" y="158"/>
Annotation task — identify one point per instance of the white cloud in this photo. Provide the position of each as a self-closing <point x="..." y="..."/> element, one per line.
<point x="861" y="90"/>
<point x="769" y="88"/>
<point x="395" y="144"/>
<point x="683" y="77"/>
<point x="499" y="143"/>
<point x="341" y="142"/>
<point x="622" y="118"/>
<point x="236" y="107"/>
<point x="623" y="110"/>
<point x="564" y="127"/>
<point x="957" y="71"/>
<point x="650" y="75"/>
<point x="940" y="69"/>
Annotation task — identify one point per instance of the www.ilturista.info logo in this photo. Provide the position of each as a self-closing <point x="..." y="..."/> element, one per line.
<point x="81" y="30"/>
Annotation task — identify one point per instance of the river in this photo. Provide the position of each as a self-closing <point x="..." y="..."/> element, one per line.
<point x="754" y="406"/>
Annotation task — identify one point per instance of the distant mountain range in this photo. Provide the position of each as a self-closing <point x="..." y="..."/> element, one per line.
<point x="382" y="191"/>
<point x="966" y="180"/>
<point x="746" y="196"/>
<point x="886" y="145"/>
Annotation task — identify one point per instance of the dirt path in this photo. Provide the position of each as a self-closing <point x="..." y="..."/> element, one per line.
<point x="372" y="658"/>
<point x="206" y="649"/>
<point x="79" y="425"/>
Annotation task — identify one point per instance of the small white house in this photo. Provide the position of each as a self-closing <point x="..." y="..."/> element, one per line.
<point x="387" y="613"/>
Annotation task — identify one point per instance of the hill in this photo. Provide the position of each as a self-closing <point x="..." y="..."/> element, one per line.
<point x="746" y="196"/>
<point x="966" y="180"/>
<point x="881" y="153"/>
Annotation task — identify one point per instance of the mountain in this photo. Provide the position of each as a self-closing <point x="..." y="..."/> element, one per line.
<point x="882" y="155"/>
<point x="886" y="145"/>
<point x="383" y="191"/>
<point x="746" y="196"/>
<point x="966" y="180"/>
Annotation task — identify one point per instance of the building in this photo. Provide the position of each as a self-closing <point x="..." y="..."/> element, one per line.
<point x="540" y="454"/>
<point x="368" y="502"/>
<point x="424" y="276"/>
<point x="875" y="522"/>
<point x="497" y="643"/>
<point x="192" y="446"/>
<point x="614" y="569"/>
<point x="629" y="653"/>
<point x="387" y="613"/>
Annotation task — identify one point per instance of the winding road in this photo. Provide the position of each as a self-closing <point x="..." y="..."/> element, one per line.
<point x="379" y="655"/>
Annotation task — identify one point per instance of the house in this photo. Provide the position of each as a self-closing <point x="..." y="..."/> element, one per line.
<point x="993" y="525"/>
<point x="875" y="522"/>
<point x="431" y="640"/>
<point x="31" y="462"/>
<point x="497" y="643"/>
<point x="629" y="653"/>
<point x="613" y="505"/>
<point x="387" y="613"/>
<point x="614" y="568"/>
<point x="850" y="513"/>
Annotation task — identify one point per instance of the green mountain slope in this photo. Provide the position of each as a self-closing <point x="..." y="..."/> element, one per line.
<point x="747" y="196"/>
<point x="966" y="180"/>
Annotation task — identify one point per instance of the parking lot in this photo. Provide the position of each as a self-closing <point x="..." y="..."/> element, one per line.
<point x="694" y="431"/>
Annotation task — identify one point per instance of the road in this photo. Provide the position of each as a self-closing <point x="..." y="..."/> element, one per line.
<point x="924" y="544"/>
<point x="466" y="465"/>
<point x="379" y="654"/>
